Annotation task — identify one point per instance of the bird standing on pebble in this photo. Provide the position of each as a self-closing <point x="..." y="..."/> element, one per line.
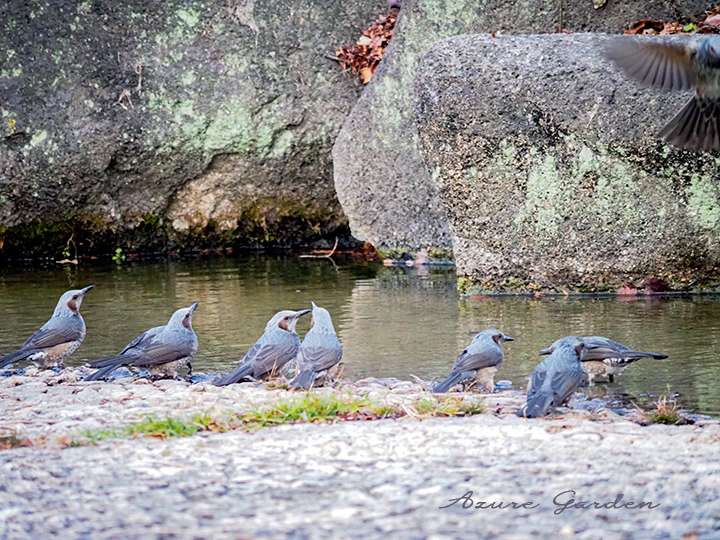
<point x="674" y="66"/>
<point x="276" y="347"/>
<point x="605" y="357"/>
<point x="320" y="349"/>
<point x="555" y="379"/>
<point x="58" y="338"/>
<point x="163" y="350"/>
<point x="480" y="361"/>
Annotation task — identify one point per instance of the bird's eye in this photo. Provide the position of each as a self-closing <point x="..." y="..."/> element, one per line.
<point x="75" y="297"/>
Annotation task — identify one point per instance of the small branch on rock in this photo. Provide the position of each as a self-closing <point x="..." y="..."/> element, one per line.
<point x="125" y="96"/>
<point x="139" y="72"/>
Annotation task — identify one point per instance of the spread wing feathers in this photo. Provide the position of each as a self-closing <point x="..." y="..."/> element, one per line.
<point x="664" y="65"/>
<point x="696" y="126"/>
<point x="550" y="387"/>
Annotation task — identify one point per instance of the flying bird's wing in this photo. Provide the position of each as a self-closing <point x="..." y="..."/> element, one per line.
<point x="653" y="62"/>
<point x="55" y="332"/>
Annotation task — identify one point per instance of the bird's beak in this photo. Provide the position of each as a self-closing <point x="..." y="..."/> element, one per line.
<point x="544" y="351"/>
<point x="302" y="312"/>
<point x="508" y="338"/>
<point x="313" y="305"/>
<point x="87" y="289"/>
<point x="194" y="306"/>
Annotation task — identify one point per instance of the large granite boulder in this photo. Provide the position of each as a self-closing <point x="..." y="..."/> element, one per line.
<point x="550" y="169"/>
<point x="171" y="119"/>
<point x="388" y="195"/>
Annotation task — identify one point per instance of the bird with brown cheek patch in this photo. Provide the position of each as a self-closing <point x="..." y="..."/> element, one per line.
<point x="163" y="350"/>
<point x="276" y="347"/>
<point x="58" y="338"/>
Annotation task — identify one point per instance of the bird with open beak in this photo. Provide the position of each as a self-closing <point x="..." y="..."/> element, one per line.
<point x="276" y="347"/>
<point x="605" y="357"/>
<point x="163" y="350"/>
<point x="674" y="65"/>
<point x="554" y="381"/>
<point x="320" y="350"/>
<point x="58" y="338"/>
<point x="479" y="361"/>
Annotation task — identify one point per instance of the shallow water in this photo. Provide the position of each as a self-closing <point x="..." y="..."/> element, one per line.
<point x="393" y="322"/>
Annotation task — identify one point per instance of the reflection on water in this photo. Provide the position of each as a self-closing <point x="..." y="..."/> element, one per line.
<point x="393" y="322"/>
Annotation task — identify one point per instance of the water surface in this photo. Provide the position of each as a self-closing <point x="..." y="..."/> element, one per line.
<point x="393" y="322"/>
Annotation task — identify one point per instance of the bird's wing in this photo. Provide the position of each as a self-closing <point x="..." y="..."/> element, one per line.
<point x="537" y="378"/>
<point x="320" y="358"/>
<point x="658" y="63"/>
<point x="472" y="359"/>
<point x="158" y="353"/>
<point x="137" y="342"/>
<point x="565" y="382"/>
<point x="55" y="332"/>
<point x="268" y="354"/>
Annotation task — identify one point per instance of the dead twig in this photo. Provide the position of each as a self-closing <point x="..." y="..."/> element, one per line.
<point x="139" y="72"/>
<point x="125" y="95"/>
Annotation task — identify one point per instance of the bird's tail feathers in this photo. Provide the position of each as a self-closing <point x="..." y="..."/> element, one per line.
<point x="303" y="380"/>
<point x="101" y="373"/>
<point x="239" y="374"/>
<point x="537" y="405"/>
<point x="654" y="355"/>
<point x="454" y="378"/>
<point x="15" y="357"/>
<point x="696" y="126"/>
<point x="114" y="361"/>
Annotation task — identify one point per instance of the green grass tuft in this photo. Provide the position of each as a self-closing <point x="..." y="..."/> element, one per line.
<point x="306" y="408"/>
<point x="666" y="412"/>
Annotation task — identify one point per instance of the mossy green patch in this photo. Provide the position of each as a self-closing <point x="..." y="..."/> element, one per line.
<point x="704" y="203"/>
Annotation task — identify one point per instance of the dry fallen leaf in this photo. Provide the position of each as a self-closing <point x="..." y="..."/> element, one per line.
<point x="365" y="55"/>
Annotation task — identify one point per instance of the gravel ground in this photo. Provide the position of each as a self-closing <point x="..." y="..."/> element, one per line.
<point x="386" y="478"/>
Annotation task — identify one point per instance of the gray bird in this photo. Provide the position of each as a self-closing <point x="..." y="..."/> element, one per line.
<point x="276" y="347"/>
<point x="320" y="350"/>
<point x="58" y="338"/>
<point x="555" y="379"/>
<point x="480" y="361"/>
<point x="607" y="358"/>
<point x="670" y="66"/>
<point x="163" y="350"/>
